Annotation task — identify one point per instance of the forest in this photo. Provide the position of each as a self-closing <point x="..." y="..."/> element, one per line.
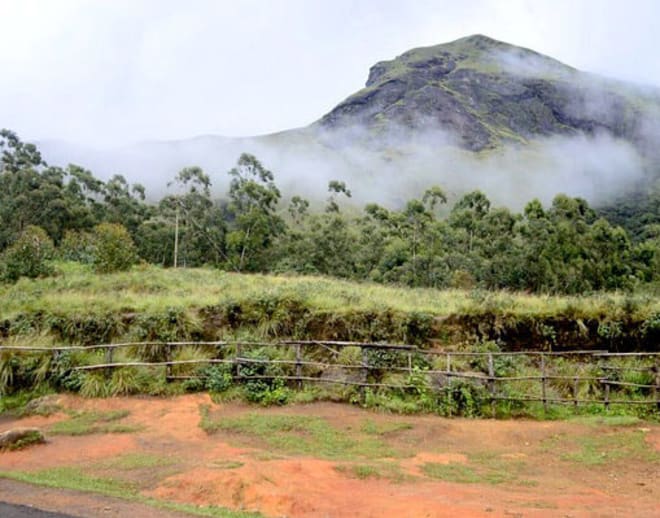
<point x="49" y="212"/>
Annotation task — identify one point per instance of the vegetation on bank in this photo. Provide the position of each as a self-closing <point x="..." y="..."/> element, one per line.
<point x="76" y="289"/>
<point x="78" y="306"/>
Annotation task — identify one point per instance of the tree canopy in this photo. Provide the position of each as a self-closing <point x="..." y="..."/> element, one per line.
<point x="567" y="247"/>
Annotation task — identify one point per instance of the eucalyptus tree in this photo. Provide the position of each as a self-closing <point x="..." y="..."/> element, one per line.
<point x="253" y="219"/>
<point x="196" y="220"/>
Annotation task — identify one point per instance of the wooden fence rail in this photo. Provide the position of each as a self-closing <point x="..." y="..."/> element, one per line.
<point x="370" y="366"/>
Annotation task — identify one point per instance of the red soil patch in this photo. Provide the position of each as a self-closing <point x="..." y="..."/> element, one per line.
<point x="220" y="470"/>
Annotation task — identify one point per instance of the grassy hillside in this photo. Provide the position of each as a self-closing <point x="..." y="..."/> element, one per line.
<point x="153" y="303"/>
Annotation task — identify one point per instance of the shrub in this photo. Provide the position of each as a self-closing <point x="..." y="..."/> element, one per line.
<point x="77" y="246"/>
<point x="266" y="391"/>
<point x="28" y="256"/>
<point x="462" y="279"/>
<point x="114" y="249"/>
<point x="218" y="378"/>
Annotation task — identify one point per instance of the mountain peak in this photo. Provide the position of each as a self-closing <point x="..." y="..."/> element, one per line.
<point x="478" y="52"/>
<point x="483" y="92"/>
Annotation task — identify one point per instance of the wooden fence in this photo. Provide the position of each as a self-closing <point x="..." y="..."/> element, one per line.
<point x="566" y="377"/>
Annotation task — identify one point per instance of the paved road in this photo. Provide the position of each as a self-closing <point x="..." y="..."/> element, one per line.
<point x="22" y="511"/>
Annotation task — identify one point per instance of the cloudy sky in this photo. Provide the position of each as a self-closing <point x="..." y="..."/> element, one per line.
<point x="108" y="72"/>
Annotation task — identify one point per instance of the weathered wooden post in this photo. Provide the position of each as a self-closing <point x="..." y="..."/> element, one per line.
<point x="606" y="383"/>
<point x="606" y="400"/>
<point x="544" y="396"/>
<point x="656" y="387"/>
<point x="365" y="373"/>
<point x="237" y="360"/>
<point x="107" y="358"/>
<point x="449" y="395"/>
<point x="168" y="359"/>
<point x="491" y="383"/>
<point x="299" y="365"/>
<point x="576" y="381"/>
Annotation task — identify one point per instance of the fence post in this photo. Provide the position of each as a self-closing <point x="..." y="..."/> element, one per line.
<point x="543" y="384"/>
<point x="299" y="365"/>
<point x="491" y="383"/>
<point x="576" y="380"/>
<point x="168" y="358"/>
<point x="605" y="381"/>
<point x="365" y="373"/>
<point x="449" y="396"/>
<point x="656" y="388"/>
<point x="107" y="358"/>
<point x="237" y="360"/>
<point x="606" y="401"/>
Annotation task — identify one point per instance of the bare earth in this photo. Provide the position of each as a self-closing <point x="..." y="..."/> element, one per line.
<point x="239" y="471"/>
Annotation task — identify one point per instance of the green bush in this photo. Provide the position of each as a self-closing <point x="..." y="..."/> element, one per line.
<point x="266" y="391"/>
<point x="28" y="256"/>
<point x="218" y="378"/>
<point x="114" y="249"/>
<point x="77" y="246"/>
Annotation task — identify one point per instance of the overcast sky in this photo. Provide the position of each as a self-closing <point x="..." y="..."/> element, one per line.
<point x="117" y="71"/>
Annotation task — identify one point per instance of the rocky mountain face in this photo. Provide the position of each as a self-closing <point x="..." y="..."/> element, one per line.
<point x="485" y="93"/>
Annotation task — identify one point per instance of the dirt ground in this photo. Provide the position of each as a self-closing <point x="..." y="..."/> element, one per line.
<point x="413" y="466"/>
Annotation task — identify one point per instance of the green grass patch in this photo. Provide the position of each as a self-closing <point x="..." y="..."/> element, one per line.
<point x="153" y="290"/>
<point x="133" y="461"/>
<point x="381" y="470"/>
<point x="78" y="480"/>
<point x="452" y="472"/>
<point x="372" y="427"/>
<point x="85" y="423"/>
<point x="14" y="404"/>
<point x="482" y="468"/>
<point x="361" y="471"/>
<point x="74" y="478"/>
<point x="298" y="435"/>
<point x="607" y="448"/>
<point x="613" y="420"/>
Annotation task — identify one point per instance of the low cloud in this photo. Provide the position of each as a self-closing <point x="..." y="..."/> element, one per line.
<point x="388" y="168"/>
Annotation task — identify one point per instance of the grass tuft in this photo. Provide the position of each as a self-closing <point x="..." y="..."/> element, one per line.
<point x="85" y="423"/>
<point x="132" y="461"/>
<point x="298" y="435"/>
<point x="609" y="448"/>
<point x="384" y="428"/>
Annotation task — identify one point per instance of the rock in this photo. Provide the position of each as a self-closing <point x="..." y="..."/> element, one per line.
<point x="45" y="405"/>
<point x="18" y="438"/>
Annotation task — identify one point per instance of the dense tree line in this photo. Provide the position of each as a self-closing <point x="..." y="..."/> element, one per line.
<point x="48" y="211"/>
